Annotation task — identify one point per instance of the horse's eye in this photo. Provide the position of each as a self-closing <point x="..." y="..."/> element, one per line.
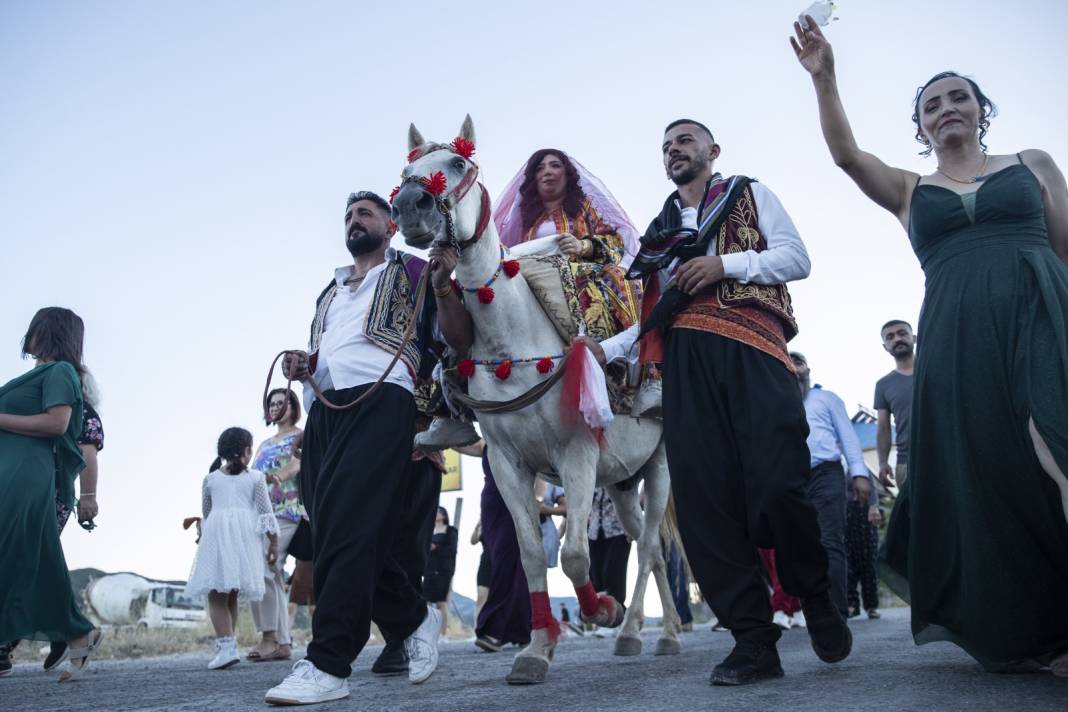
<point x="459" y="164"/>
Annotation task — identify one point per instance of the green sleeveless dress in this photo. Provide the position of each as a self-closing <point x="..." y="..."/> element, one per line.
<point x="36" y="599"/>
<point x="978" y="541"/>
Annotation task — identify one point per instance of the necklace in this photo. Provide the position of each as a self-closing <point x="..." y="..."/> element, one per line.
<point x="979" y="177"/>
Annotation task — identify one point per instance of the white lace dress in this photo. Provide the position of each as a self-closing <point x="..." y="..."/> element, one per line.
<point x="237" y="515"/>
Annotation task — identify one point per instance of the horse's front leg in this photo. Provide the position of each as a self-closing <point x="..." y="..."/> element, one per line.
<point x="578" y="470"/>
<point x="516" y="486"/>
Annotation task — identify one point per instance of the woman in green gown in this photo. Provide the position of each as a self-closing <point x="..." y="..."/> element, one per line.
<point x="40" y="420"/>
<point x="978" y="541"/>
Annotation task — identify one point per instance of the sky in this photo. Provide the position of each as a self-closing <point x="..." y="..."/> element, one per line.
<point x="176" y="173"/>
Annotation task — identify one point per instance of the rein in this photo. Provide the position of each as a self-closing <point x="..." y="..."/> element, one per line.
<point x="409" y="332"/>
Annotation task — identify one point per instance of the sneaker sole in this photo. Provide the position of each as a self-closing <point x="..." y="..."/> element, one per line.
<point x="720" y="681"/>
<point x="282" y="701"/>
<point x="5" y="673"/>
<point x="228" y="664"/>
<point x="489" y="647"/>
<point x="389" y="673"/>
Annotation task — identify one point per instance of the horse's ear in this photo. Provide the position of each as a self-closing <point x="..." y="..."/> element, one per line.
<point x="415" y="139"/>
<point x="468" y="129"/>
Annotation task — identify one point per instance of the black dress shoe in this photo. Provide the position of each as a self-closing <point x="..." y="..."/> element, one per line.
<point x="393" y="660"/>
<point x="831" y="637"/>
<point x="749" y="662"/>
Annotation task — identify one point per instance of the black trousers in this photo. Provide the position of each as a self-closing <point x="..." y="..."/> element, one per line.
<point x="735" y="430"/>
<point x="411" y="545"/>
<point x="608" y="565"/>
<point x="862" y="543"/>
<point x="355" y="475"/>
<point x="827" y="491"/>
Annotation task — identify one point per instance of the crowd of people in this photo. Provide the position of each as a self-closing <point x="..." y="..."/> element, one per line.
<point x="694" y="319"/>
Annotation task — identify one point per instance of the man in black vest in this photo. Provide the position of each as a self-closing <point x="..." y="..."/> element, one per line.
<point x="364" y="498"/>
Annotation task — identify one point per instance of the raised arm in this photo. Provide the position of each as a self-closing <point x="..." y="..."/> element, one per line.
<point x="889" y="187"/>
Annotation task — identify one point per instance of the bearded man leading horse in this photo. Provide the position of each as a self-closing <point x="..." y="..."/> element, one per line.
<point x="441" y="205"/>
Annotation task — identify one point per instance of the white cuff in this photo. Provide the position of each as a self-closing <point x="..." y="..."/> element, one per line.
<point x="736" y="266"/>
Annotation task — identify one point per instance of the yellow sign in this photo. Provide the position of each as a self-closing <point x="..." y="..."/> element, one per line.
<point x="450" y="479"/>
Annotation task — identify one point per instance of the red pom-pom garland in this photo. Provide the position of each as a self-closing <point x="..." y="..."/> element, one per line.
<point x="435" y="184"/>
<point x="510" y="267"/>
<point x="504" y="370"/>
<point x="393" y="194"/>
<point x="503" y="367"/>
<point x="463" y="147"/>
<point x="414" y="154"/>
<point x="485" y="294"/>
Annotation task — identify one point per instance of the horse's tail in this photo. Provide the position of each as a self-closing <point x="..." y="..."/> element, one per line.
<point x="670" y="536"/>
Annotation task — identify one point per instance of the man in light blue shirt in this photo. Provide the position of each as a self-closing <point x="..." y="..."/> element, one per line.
<point x="830" y="436"/>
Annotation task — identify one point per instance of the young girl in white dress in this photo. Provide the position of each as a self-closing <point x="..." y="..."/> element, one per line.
<point x="229" y="565"/>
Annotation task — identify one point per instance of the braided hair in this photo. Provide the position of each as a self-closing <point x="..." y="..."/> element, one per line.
<point x="232" y="445"/>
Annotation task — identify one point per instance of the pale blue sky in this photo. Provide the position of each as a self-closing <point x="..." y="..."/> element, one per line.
<point x="176" y="173"/>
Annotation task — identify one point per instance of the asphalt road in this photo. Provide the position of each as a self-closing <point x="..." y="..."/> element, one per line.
<point x="885" y="672"/>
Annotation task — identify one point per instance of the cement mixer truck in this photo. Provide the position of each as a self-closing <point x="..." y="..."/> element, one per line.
<point x="129" y="599"/>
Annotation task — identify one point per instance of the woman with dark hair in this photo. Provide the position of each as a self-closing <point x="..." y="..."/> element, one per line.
<point x="41" y="417"/>
<point x="278" y="459"/>
<point x="441" y="565"/>
<point x="555" y="197"/>
<point x="978" y="541"/>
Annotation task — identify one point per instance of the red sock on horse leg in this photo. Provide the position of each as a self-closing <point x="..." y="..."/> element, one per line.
<point x="587" y="598"/>
<point x="541" y="614"/>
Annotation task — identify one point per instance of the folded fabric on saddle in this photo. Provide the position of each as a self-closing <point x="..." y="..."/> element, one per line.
<point x="602" y="302"/>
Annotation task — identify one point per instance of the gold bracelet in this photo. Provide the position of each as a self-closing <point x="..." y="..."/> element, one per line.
<point x="441" y="294"/>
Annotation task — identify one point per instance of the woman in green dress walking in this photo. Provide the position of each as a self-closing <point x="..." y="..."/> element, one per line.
<point x="40" y="421"/>
<point x="978" y="542"/>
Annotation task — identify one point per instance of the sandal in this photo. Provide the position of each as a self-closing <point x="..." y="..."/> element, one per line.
<point x="85" y="654"/>
<point x="284" y="652"/>
<point x="259" y="655"/>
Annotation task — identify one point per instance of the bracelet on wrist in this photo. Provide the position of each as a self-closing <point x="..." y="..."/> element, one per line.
<point x="442" y="293"/>
<point x="87" y="494"/>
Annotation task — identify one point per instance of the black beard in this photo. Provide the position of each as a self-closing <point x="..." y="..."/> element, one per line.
<point x="899" y="355"/>
<point x="360" y="243"/>
<point x="694" y="169"/>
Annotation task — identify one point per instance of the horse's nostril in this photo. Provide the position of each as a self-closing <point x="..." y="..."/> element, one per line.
<point x="425" y="202"/>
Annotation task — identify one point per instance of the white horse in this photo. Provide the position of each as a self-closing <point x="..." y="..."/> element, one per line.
<point x="441" y="201"/>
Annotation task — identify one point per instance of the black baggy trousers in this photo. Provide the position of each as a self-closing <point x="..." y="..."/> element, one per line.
<point x="356" y="481"/>
<point x="735" y="431"/>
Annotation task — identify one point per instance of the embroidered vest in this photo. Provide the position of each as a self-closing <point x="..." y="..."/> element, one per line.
<point x="756" y="314"/>
<point x="392" y="309"/>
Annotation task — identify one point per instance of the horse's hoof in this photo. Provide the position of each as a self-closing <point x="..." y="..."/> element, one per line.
<point x="627" y="646"/>
<point x="609" y="614"/>
<point x="668" y="646"/>
<point x="528" y="671"/>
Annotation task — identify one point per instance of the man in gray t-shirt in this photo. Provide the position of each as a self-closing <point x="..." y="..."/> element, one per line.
<point x="893" y="396"/>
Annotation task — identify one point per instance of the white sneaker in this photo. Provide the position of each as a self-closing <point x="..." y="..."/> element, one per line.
<point x="225" y="654"/>
<point x="799" y="620"/>
<point x="306" y="685"/>
<point x="422" y="647"/>
<point x="782" y="620"/>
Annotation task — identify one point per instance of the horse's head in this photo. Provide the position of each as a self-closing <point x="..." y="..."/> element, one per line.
<point x="434" y="202"/>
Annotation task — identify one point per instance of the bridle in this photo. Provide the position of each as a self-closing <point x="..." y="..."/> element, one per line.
<point x="446" y="198"/>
